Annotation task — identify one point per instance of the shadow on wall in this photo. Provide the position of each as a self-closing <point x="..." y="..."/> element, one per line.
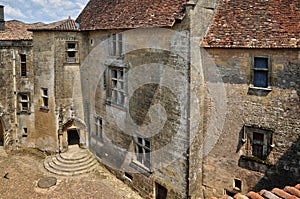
<point x="285" y="172"/>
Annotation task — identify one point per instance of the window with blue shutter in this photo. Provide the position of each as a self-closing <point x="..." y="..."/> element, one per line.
<point x="261" y="71"/>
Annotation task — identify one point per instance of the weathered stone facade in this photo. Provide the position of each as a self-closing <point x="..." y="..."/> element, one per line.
<point x="273" y="110"/>
<point x="170" y="119"/>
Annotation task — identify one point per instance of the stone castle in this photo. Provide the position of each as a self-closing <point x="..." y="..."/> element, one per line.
<point x="179" y="99"/>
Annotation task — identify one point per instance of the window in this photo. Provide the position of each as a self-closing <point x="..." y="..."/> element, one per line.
<point x="23" y="100"/>
<point x="160" y="191"/>
<point x="23" y="65"/>
<point x="237" y="184"/>
<point x="72" y="52"/>
<point x="45" y="98"/>
<point x="24" y="133"/>
<point x="116" y="44"/>
<point x="261" y="72"/>
<point x="116" y="93"/>
<point x="142" y="150"/>
<point x="99" y="128"/>
<point x="259" y="142"/>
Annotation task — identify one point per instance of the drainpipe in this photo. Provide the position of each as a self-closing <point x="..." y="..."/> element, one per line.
<point x="15" y="93"/>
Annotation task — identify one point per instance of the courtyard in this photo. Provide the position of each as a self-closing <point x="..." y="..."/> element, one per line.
<point x="21" y="170"/>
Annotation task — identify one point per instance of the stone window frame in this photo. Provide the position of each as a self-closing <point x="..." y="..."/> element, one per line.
<point x="72" y="53"/>
<point x="116" y="86"/>
<point x="23" y="65"/>
<point x="116" y="44"/>
<point x="237" y="184"/>
<point x="23" y="102"/>
<point x="267" y="144"/>
<point x="268" y="69"/>
<point x="142" y="152"/>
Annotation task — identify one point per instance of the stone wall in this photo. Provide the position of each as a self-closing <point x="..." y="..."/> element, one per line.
<point x="274" y="109"/>
<point x="17" y="125"/>
<point x="156" y="81"/>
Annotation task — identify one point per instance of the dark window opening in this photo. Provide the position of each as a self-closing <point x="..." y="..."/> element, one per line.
<point x="23" y="66"/>
<point x="237" y="184"/>
<point x="128" y="176"/>
<point x="45" y="98"/>
<point x="72" y="51"/>
<point x="99" y="128"/>
<point x="24" y="132"/>
<point x="257" y="146"/>
<point x="161" y="192"/>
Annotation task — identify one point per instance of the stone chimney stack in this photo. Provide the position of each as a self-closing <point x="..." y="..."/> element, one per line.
<point x="2" y="22"/>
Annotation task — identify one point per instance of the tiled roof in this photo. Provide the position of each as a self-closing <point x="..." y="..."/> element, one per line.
<point x="255" y="24"/>
<point x="286" y="193"/>
<point x="64" y="25"/>
<point x="123" y="14"/>
<point x="17" y="30"/>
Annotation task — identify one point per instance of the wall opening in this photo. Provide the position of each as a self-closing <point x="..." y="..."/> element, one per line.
<point x="160" y="191"/>
<point x="1" y="133"/>
<point x="73" y="137"/>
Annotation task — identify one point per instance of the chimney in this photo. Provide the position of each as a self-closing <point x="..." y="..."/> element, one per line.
<point x="2" y="22"/>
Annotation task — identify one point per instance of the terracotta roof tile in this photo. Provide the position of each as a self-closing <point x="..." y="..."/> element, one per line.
<point x="64" y="25"/>
<point x="255" y="24"/>
<point x="286" y="193"/>
<point x="254" y="195"/>
<point x="17" y="30"/>
<point x="281" y="193"/>
<point x="123" y="14"/>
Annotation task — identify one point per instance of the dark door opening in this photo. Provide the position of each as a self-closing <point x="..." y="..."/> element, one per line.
<point x="1" y="133"/>
<point x="73" y="137"/>
<point x="161" y="192"/>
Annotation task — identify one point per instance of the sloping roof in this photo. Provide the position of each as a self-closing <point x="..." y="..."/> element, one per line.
<point x="255" y="24"/>
<point x="17" y="30"/>
<point x="64" y="25"/>
<point x="287" y="193"/>
<point x="123" y="14"/>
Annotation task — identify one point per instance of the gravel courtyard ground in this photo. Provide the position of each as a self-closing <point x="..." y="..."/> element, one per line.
<point x="21" y="170"/>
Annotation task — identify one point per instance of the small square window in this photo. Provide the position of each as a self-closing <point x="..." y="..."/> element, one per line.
<point x="72" y="52"/>
<point x="237" y="184"/>
<point x="23" y="101"/>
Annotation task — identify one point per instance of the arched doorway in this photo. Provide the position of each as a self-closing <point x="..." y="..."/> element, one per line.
<point x="1" y="133"/>
<point x="73" y="136"/>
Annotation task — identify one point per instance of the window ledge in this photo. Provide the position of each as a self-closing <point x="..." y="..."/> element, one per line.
<point x="260" y="88"/>
<point x="23" y="112"/>
<point x="110" y="103"/>
<point x="140" y="168"/>
<point x="44" y="109"/>
<point x="255" y="159"/>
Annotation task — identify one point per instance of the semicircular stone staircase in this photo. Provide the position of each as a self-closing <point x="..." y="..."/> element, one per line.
<point x="75" y="161"/>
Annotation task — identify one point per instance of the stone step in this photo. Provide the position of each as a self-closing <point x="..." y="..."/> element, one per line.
<point x="79" y="165"/>
<point x="73" y="162"/>
<point x="67" y="163"/>
<point x="71" y="169"/>
<point x="74" y="173"/>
